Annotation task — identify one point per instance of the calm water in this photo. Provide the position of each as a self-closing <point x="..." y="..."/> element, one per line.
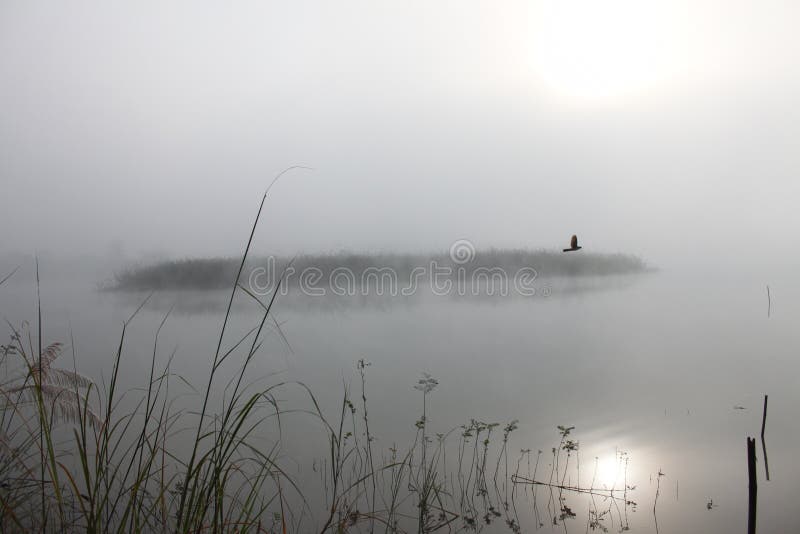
<point x="652" y="365"/>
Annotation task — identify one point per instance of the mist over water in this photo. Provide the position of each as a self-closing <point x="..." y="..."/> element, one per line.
<point x="657" y="365"/>
<point x="136" y="141"/>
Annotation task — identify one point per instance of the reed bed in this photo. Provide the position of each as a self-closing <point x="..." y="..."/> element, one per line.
<point x="216" y="273"/>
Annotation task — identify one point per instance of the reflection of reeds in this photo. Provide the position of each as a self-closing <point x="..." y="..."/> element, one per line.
<point x="559" y="489"/>
<point x="655" y="500"/>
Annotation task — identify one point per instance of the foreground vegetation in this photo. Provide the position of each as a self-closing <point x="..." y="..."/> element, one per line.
<point x="73" y="461"/>
<point x="78" y="457"/>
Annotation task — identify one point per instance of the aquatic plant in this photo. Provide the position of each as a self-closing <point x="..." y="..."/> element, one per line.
<point x="77" y="456"/>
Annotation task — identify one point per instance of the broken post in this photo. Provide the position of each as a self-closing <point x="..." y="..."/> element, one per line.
<point x="752" y="487"/>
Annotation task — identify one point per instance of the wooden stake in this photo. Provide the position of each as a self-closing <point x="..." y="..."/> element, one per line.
<point x="752" y="487"/>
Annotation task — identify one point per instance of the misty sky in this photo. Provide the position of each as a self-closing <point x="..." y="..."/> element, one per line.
<point x="665" y="129"/>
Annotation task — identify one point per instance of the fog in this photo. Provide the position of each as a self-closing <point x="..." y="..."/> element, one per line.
<point x="137" y="140"/>
<point x="153" y="129"/>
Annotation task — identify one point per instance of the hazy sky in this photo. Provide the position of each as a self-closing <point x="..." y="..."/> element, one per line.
<point x="668" y="129"/>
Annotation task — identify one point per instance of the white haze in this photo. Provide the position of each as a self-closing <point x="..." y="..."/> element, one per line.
<point x="153" y="127"/>
<point x="131" y="131"/>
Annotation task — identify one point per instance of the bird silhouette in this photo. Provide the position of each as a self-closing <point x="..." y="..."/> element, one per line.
<point x="573" y="245"/>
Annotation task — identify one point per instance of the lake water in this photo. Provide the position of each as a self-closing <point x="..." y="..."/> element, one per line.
<point x="670" y="367"/>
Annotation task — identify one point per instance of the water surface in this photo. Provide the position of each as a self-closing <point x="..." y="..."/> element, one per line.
<point x="669" y="367"/>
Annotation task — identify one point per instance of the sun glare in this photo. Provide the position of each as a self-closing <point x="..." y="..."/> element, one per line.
<point x="609" y="472"/>
<point x="596" y="50"/>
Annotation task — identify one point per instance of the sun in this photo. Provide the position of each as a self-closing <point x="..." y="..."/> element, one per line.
<point x="598" y="50"/>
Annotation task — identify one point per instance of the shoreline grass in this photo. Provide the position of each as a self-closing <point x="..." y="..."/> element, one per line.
<point x="97" y="467"/>
<point x="73" y="458"/>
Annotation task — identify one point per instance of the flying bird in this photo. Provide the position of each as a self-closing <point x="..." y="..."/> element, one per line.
<point x="573" y="244"/>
